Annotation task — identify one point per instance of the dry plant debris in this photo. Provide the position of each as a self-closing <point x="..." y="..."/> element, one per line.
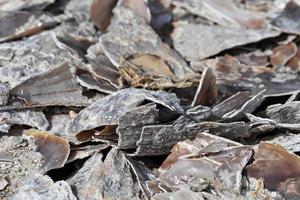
<point x="149" y="99"/>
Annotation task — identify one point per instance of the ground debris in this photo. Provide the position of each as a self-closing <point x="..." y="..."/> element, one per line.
<point x="149" y="99"/>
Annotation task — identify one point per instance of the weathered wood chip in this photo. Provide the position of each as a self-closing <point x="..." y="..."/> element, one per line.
<point x="101" y="13"/>
<point x="290" y="142"/>
<point x="139" y="7"/>
<point x="55" y="87"/>
<point x="285" y="113"/>
<point x="108" y="179"/>
<point x="13" y="5"/>
<point x="282" y="54"/>
<point x="224" y="12"/>
<point x="21" y="24"/>
<point x="248" y="107"/>
<point x="232" y="103"/>
<point x="129" y="34"/>
<point x="287" y="21"/>
<point x="197" y="41"/>
<point x="275" y="165"/>
<point x="214" y="168"/>
<point x="22" y="60"/>
<point x="33" y="118"/>
<point x="109" y="110"/>
<point x="55" y="150"/>
<point x="207" y="93"/>
<point x="131" y="124"/>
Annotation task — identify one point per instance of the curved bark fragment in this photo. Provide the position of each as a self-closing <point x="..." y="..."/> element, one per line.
<point x="54" y="149"/>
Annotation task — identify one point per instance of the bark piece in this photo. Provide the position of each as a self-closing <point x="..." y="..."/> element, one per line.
<point x="231" y="103"/>
<point x="33" y="118"/>
<point x="290" y="142"/>
<point x="290" y="188"/>
<point x="42" y="187"/>
<point x="285" y="113"/>
<point x="108" y="179"/>
<point x="274" y="164"/>
<point x="54" y="149"/>
<point x="148" y="181"/>
<point x="22" y="60"/>
<point x="294" y="63"/>
<point x="56" y="87"/>
<point x="224" y="13"/>
<point x="287" y="21"/>
<point x="141" y="39"/>
<point x="131" y="124"/>
<point x="206" y="94"/>
<point x="101" y="13"/>
<point x="19" y="24"/>
<point x="199" y="144"/>
<point x="159" y="139"/>
<point x="196" y="41"/>
<point x="282" y="54"/>
<point x="139" y="7"/>
<point x="100" y="65"/>
<point x="232" y="77"/>
<point x="13" y="5"/>
<point x="234" y="130"/>
<point x="214" y="168"/>
<point x="248" y="107"/>
<point x="109" y="110"/>
<point x="81" y="152"/>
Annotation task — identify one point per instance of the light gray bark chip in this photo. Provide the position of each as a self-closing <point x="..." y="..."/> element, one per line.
<point x="291" y="142"/>
<point x="159" y="139"/>
<point x="13" y="5"/>
<point x="285" y="113"/>
<point x="100" y="65"/>
<point x="55" y="87"/>
<point x="42" y="187"/>
<point x="19" y="24"/>
<point x="109" y="110"/>
<point x="131" y="124"/>
<point x="108" y="179"/>
<point x="33" y="118"/>
<point x="129" y="34"/>
<point x="288" y="20"/>
<point x="22" y="60"/>
<point x="223" y="12"/>
<point x="248" y="107"/>
<point x="232" y="103"/>
<point x="196" y="41"/>
<point x="234" y="130"/>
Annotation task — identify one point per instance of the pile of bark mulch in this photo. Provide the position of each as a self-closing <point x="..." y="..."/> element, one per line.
<point x="157" y="99"/>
